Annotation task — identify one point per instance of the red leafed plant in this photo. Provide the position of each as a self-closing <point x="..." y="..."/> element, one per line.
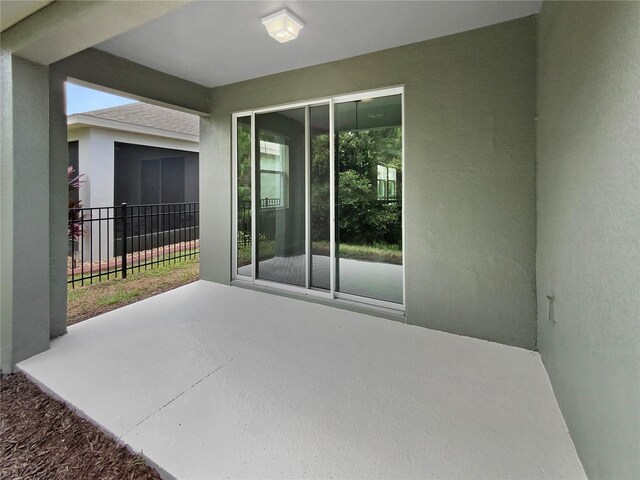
<point x="75" y="228"/>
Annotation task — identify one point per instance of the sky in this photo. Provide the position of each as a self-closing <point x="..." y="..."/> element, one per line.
<point x="82" y="99"/>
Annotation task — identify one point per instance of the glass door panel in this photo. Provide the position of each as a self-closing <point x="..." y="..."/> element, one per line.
<point x="243" y="192"/>
<point x="368" y="163"/>
<point x="280" y="196"/>
<point x="320" y="197"/>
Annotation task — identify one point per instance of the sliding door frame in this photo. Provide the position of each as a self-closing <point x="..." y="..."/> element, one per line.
<point x="307" y="197"/>
<point x="308" y="290"/>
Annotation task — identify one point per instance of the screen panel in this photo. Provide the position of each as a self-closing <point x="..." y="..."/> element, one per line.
<point x="280" y="196"/>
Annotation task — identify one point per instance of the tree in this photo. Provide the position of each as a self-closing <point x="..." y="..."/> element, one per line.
<point x="363" y="218"/>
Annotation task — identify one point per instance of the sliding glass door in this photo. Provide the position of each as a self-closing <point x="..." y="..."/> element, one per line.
<point x="318" y="202"/>
<point x="368" y="135"/>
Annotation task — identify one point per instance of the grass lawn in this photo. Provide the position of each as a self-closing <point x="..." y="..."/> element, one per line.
<point x="369" y="253"/>
<point x="91" y="300"/>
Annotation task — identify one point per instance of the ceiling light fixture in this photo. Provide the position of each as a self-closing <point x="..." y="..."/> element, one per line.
<point x="283" y="25"/>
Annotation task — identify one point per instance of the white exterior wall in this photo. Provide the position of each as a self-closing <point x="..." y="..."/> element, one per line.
<point x="96" y="160"/>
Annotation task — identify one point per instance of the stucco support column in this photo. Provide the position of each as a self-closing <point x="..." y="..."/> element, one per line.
<point x="24" y="211"/>
<point x="207" y="223"/>
<point x="58" y="203"/>
<point x="215" y="200"/>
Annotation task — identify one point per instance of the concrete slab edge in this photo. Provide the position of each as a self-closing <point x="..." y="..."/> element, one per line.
<point x="42" y="386"/>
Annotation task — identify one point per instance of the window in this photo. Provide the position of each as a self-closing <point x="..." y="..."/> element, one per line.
<point x="274" y="171"/>
<point x="386" y="183"/>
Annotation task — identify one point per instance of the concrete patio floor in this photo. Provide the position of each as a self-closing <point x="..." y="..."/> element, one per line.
<point x="212" y="381"/>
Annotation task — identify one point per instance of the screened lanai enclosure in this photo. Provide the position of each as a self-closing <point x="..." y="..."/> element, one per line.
<point x="324" y="179"/>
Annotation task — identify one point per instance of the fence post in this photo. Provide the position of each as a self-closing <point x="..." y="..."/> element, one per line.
<point x="124" y="240"/>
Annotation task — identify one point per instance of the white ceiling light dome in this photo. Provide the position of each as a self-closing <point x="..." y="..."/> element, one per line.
<point x="283" y="25"/>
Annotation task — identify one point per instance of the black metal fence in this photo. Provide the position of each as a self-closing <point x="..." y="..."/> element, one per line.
<point x="268" y="207"/>
<point x="244" y="223"/>
<point x="108" y="242"/>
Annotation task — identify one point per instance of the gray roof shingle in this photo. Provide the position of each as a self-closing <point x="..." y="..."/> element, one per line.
<point x="152" y="116"/>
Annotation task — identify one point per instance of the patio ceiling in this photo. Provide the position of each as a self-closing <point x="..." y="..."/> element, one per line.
<point x="222" y="42"/>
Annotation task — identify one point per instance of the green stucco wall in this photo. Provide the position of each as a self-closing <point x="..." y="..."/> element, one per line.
<point x="24" y="212"/>
<point x="589" y="226"/>
<point x="469" y="172"/>
<point x="58" y="205"/>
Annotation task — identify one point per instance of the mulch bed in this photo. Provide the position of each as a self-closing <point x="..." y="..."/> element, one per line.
<point x="41" y="438"/>
<point x="95" y="267"/>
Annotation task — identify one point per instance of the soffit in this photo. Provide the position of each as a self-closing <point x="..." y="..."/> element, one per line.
<point x="12" y="11"/>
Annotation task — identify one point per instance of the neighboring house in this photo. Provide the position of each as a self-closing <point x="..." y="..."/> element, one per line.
<point x="516" y="161"/>
<point x="139" y="153"/>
